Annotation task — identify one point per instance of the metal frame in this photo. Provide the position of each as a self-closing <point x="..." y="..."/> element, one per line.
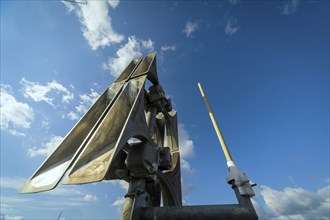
<point x="122" y="136"/>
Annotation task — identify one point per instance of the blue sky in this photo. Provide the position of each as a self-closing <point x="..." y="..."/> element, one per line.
<point x="263" y="65"/>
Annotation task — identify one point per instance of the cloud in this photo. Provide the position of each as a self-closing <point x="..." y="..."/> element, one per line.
<point x="45" y="123"/>
<point x="13" y="114"/>
<point x="64" y="196"/>
<point x="327" y="180"/>
<point x="190" y="28"/>
<point x="90" y="198"/>
<point x="168" y="48"/>
<point x="261" y="213"/>
<point x="233" y="2"/>
<point x="16" y="133"/>
<point x="69" y="6"/>
<point x="86" y="101"/>
<point x="290" y="7"/>
<point x="38" y="92"/>
<point x="186" y="168"/>
<point x="113" y="3"/>
<point x="122" y="183"/>
<point x="230" y="26"/>
<point x="46" y="148"/>
<point x="186" y="151"/>
<point x="185" y="143"/>
<point x="295" y="203"/>
<point x="186" y="187"/>
<point x="9" y="217"/>
<point x="119" y="203"/>
<point x="67" y="98"/>
<point x="96" y="22"/>
<point x="132" y="49"/>
<point x="12" y="182"/>
<point x="73" y="116"/>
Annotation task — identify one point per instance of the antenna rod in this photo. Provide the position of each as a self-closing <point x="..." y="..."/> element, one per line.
<point x="225" y="150"/>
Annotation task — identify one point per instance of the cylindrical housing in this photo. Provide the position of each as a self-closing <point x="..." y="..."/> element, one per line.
<point x="203" y="212"/>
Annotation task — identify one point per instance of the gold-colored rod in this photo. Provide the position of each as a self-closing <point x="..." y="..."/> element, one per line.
<point x="216" y="127"/>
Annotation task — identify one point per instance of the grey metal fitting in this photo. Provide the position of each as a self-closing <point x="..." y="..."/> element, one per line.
<point x="240" y="180"/>
<point x="142" y="159"/>
<point x="157" y="96"/>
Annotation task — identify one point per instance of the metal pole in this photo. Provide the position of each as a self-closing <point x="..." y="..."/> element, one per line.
<point x="225" y="150"/>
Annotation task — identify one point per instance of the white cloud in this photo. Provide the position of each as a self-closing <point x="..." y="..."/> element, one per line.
<point x="61" y="197"/>
<point x="120" y="201"/>
<point x="46" y="148"/>
<point x="10" y="217"/>
<point x="11" y="182"/>
<point x="295" y="203"/>
<point x="190" y="28"/>
<point x="4" y="208"/>
<point x="290" y="7"/>
<point x="327" y="180"/>
<point x="185" y="167"/>
<point x="147" y="44"/>
<point x="73" y="116"/>
<point x="132" y="49"/>
<point x="90" y="198"/>
<point x="230" y="26"/>
<point x="166" y="48"/>
<point x="70" y="7"/>
<point x="233" y="2"/>
<point x="13" y="114"/>
<point x="67" y="98"/>
<point x="261" y="213"/>
<point x="45" y="123"/>
<point x="186" y="150"/>
<point x="65" y="190"/>
<point x="86" y="101"/>
<point x="38" y="92"/>
<point x="96" y="22"/>
<point x="122" y="183"/>
<point x="16" y="133"/>
<point x="185" y="143"/>
<point x="186" y="187"/>
<point x="113" y="3"/>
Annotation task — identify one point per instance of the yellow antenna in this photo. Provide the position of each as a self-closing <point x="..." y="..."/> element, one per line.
<point x="217" y="129"/>
<point x="237" y="179"/>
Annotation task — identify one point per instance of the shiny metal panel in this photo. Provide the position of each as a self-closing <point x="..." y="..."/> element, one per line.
<point x="110" y="136"/>
<point x="148" y="66"/>
<point x="51" y="171"/>
<point x="129" y="70"/>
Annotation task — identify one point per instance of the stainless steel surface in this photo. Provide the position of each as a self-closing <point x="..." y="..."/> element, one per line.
<point x="123" y="121"/>
<point x="51" y="171"/>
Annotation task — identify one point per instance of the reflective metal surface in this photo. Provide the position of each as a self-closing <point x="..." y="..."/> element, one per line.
<point x="98" y="147"/>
